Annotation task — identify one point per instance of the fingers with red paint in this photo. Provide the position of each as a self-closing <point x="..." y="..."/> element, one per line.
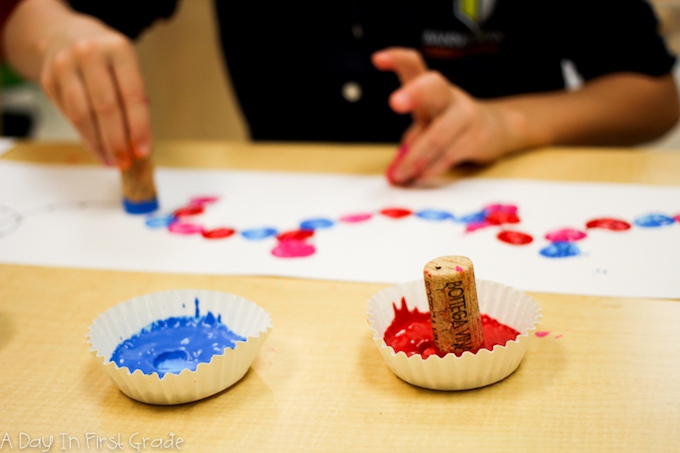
<point x="90" y="72"/>
<point x="449" y="126"/>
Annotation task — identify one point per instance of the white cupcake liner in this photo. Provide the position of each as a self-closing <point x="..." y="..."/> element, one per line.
<point x="507" y="305"/>
<point x="241" y="316"/>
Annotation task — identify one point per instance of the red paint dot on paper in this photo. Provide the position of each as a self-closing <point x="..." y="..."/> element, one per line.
<point x="185" y="228"/>
<point x="295" y="234"/>
<point x="202" y="201"/>
<point x="411" y="332"/>
<point x="473" y="226"/>
<point x="507" y="208"/>
<point x="218" y="233"/>
<point x="189" y="210"/>
<point x="565" y="235"/>
<point x="293" y="248"/>
<point x="354" y="218"/>
<point x="609" y="224"/>
<point x="396" y="213"/>
<point x="500" y="217"/>
<point x="515" y="237"/>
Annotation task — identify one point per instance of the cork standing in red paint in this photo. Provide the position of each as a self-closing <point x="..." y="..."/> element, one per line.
<point x="454" y="310"/>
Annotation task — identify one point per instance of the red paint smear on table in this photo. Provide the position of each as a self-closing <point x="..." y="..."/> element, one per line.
<point x="295" y="234"/>
<point x="396" y="213"/>
<point x="565" y="235"/>
<point x="514" y="237"/>
<point x="218" y="233"/>
<point x="293" y="248"/>
<point x="411" y="332"/>
<point x="608" y="223"/>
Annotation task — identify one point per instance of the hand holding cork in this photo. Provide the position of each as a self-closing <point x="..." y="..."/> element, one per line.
<point x="454" y="310"/>
<point x="139" y="189"/>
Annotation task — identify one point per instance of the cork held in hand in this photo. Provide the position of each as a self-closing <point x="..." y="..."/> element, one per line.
<point x="139" y="189"/>
<point x="454" y="310"/>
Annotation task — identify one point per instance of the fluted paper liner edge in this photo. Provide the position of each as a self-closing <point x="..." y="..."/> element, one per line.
<point x="121" y="321"/>
<point x="507" y="305"/>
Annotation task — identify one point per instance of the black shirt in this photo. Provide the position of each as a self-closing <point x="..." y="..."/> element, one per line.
<point x="302" y="71"/>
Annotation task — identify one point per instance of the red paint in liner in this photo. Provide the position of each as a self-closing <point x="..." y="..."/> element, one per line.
<point x="411" y="332"/>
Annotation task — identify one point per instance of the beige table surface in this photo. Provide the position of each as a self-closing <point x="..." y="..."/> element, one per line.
<point x="606" y="379"/>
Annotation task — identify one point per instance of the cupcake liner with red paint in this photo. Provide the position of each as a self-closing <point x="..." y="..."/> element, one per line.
<point x="507" y="305"/>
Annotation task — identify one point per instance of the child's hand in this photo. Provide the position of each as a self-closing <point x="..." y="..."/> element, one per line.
<point x="449" y="126"/>
<point x="92" y="74"/>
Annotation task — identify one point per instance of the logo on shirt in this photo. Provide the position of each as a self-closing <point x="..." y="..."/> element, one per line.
<point x="473" y="13"/>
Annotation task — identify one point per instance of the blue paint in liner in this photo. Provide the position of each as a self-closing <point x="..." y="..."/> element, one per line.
<point x="561" y="250"/>
<point x="314" y="224"/>
<point x="653" y="220"/>
<point x="140" y="207"/>
<point x="176" y="343"/>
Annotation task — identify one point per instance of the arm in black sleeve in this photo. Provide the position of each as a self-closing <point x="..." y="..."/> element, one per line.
<point x="127" y="16"/>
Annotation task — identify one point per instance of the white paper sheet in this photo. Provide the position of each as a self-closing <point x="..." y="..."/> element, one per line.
<point x="71" y="216"/>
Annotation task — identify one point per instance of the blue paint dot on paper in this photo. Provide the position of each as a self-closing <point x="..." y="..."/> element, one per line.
<point x="258" y="233"/>
<point x="653" y="220"/>
<point x="561" y="250"/>
<point x="315" y="224"/>
<point x="160" y="221"/>
<point x="432" y="214"/>
<point x="477" y="217"/>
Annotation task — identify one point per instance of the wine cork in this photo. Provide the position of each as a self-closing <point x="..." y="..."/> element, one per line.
<point x="139" y="189"/>
<point x="454" y="310"/>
